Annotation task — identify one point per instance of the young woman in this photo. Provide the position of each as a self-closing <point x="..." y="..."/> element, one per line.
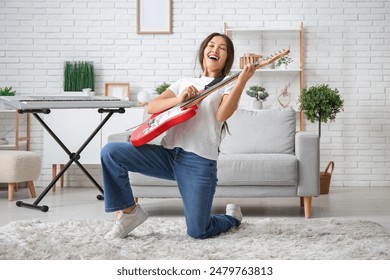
<point x="188" y="152"/>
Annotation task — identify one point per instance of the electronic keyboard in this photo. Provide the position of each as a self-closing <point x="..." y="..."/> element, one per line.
<point x="64" y="102"/>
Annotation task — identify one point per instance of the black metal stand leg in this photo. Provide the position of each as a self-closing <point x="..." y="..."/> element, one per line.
<point x="73" y="158"/>
<point x="100" y="197"/>
<point x="45" y="208"/>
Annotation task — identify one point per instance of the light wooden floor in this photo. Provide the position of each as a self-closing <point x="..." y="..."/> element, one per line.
<point x="80" y="203"/>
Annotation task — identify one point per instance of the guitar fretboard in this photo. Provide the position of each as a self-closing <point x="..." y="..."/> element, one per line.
<point x="233" y="77"/>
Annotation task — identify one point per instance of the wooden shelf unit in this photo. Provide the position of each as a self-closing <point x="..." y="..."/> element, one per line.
<point x="248" y="30"/>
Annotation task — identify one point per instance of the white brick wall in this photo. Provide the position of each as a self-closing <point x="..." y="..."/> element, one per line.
<point x="347" y="45"/>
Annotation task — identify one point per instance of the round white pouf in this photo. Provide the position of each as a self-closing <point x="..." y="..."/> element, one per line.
<point x="19" y="166"/>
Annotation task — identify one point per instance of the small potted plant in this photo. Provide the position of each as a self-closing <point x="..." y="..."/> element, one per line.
<point x="161" y="88"/>
<point x="260" y="95"/>
<point x="283" y="62"/>
<point x="7" y="91"/>
<point x="79" y="75"/>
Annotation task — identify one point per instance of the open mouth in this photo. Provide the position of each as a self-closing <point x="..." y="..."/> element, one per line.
<point x="213" y="57"/>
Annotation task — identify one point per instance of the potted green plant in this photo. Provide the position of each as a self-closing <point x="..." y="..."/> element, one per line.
<point x="283" y="62"/>
<point x="259" y="94"/>
<point x="321" y="103"/>
<point x="161" y="88"/>
<point x="79" y="75"/>
<point x="7" y="91"/>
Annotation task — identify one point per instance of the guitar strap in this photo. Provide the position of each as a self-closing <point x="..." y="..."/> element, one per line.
<point x="213" y="82"/>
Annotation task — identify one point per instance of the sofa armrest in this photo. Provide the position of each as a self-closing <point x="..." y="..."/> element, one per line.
<point x="307" y="150"/>
<point x="120" y="137"/>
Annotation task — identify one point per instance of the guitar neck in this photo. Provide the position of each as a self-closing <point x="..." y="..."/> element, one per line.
<point x="210" y="90"/>
<point x="203" y="94"/>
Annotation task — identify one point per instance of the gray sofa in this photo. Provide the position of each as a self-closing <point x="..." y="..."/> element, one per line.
<point x="263" y="156"/>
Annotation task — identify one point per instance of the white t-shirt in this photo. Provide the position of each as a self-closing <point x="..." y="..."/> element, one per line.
<point x="202" y="133"/>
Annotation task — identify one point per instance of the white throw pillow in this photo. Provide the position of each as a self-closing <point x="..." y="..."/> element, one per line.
<point x="262" y="131"/>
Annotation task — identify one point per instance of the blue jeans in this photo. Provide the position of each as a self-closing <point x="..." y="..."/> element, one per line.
<point x="196" y="177"/>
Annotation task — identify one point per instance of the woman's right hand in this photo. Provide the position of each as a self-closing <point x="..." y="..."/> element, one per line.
<point x="187" y="93"/>
<point x="168" y="99"/>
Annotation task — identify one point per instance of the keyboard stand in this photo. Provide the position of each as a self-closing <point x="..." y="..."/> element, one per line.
<point x="73" y="157"/>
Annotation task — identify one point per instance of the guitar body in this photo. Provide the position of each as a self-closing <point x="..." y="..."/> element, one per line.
<point x="159" y="123"/>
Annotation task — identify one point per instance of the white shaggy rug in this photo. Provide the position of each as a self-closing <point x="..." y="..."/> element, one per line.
<point x="165" y="238"/>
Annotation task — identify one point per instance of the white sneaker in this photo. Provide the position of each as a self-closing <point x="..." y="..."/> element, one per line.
<point x="234" y="210"/>
<point x="125" y="223"/>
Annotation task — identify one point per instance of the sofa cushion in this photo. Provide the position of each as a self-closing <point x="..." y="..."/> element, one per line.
<point x="242" y="169"/>
<point x="258" y="169"/>
<point x="262" y="131"/>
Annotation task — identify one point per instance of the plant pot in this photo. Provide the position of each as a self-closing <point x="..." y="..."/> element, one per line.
<point x="256" y="104"/>
<point x="282" y="66"/>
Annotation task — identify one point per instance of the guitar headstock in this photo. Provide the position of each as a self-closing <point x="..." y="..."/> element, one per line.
<point x="272" y="58"/>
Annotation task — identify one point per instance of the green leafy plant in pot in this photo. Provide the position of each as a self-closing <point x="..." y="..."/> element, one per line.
<point x="7" y="91"/>
<point x="321" y="103"/>
<point x="79" y="75"/>
<point x="284" y="61"/>
<point x="260" y="94"/>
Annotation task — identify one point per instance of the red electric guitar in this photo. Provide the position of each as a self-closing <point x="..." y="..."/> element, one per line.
<point x="161" y="122"/>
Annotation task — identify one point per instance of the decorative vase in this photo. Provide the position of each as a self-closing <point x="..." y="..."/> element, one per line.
<point x="143" y="98"/>
<point x="283" y="66"/>
<point x="87" y="91"/>
<point x="256" y="104"/>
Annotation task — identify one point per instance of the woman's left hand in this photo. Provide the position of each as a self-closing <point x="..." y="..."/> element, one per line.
<point x="230" y="101"/>
<point x="246" y="73"/>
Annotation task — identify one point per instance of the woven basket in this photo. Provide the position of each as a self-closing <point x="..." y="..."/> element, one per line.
<point x="325" y="178"/>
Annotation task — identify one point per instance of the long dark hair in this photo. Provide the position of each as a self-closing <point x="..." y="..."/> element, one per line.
<point x="230" y="52"/>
